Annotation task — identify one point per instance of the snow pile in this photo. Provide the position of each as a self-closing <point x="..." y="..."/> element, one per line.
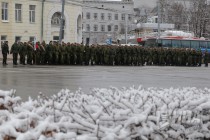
<point x="108" y="114"/>
<point x="177" y="33"/>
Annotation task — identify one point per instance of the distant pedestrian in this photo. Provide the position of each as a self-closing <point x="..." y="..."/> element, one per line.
<point x="5" y="51"/>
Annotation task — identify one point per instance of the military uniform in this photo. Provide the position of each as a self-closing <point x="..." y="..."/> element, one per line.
<point x="14" y="51"/>
<point x="30" y="52"/>
<point x="5" y="51"/>
<point x="43" y="53"/>
<point x="22" y="52"/>
<point x="206" y="58"/>
<point x="87" y="55"/>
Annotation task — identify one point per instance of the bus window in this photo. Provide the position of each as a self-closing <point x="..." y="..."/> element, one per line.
<point x="195" y="44"/>
<point x="159" y="42"/>
<point x="176" y="43"/>
<point x="203" y="44"/>
<point x="150" y="43"/>
<point x="208" y="44"/>
<point x="166" y="43"/>
<point x="185" y="43"/>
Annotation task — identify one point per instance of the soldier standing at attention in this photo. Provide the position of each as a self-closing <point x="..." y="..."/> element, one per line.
<point x="30" y="52"/>
<point x="206" y="56"/>
<point x="24" y="52"/>
<point x="5" y="51"/>
<point x="43" y="53"/>
<point x="14" y="51"/>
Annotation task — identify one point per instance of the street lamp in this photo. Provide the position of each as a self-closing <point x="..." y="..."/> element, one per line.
<point x="61" y="35"/>
<point x="126" y="28"/>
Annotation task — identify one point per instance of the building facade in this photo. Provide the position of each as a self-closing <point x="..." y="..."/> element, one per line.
<point x="104" y="20"/>
<point x="39" y="20"/>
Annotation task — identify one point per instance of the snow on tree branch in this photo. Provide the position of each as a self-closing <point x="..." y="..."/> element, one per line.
<point x="108" y="114"/>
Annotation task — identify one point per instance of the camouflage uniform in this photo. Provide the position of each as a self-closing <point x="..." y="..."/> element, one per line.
<point x="43" y="53"/>
<point x="5" y="51"/>
<point x="23" y="52"/>
<point x="87" y="55"/>
<point x="30" y="52"/>
<point x="206" y="57"/>
<point x="14" y="51"/>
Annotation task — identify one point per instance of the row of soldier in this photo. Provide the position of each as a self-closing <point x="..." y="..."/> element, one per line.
<point x="77" y="54"/>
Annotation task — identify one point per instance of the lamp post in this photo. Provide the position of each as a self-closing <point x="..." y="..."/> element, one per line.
<point x="126" y="28"/>
<point x="158" y="5"/>
<point x="61" y="35"/>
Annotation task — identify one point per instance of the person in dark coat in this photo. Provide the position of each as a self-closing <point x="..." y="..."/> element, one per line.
<point x="14" y="51"/>
<point x="206" y="56"/>
<point x="5" y="51"/>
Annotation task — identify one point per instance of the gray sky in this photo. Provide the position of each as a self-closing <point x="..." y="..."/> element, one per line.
<point x="145" y="3"/>
<point x="142" y="3"/>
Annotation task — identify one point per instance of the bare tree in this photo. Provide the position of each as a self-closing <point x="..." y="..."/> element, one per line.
<point x="194" y="16"/>
<point x="176" y="15"/>
<point x="199" y="17"/>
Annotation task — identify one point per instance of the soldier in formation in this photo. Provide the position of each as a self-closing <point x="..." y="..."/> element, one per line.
<point x="5" y="51"/>
<point x="78" y="54"/>
<point x="14" y="51"/>
<point x="206" y="57"/>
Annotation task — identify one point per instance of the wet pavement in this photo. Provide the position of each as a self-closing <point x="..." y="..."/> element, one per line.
<point x="30" y="80"/>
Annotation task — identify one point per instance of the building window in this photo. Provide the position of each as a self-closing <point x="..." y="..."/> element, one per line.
<point x="3" y="39"/>
<point x="18" y="14"/>
<point x="116" y="28"/>
<point x="56" y="19"/>
<point x="109" y="28"/>
<point x="95" y="16"/>
<point x="17" y="38"/>
<point x="102" y="28"/>
<point x="102" y="16"/>
<point x="116" y="16"/>
<point x="87" y="27"/>
<point x="95" y="28"/>
<point x="32" y="13"/>
<point x="4" y="11"/>
<point x="31" y="38"/>
<point x="129" y="17"/>
<point x="123" y="17"/>
<point x="55" y="38"/>
<point x="109" y="16"/>
<point x="88" y="15"/>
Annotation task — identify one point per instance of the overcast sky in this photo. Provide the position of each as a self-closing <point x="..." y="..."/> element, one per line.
<point x="142" y="3"/>
<point x="145" y="3"/>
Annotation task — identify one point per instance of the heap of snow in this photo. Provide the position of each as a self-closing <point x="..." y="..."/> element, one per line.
<point x="177" y="33"/>
<point x="107" y="114"/>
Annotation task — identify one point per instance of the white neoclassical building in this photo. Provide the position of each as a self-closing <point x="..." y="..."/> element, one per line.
<point x="103" y="19"/>
<point x="26" y="20"/>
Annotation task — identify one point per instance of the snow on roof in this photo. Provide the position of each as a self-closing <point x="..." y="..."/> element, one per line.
<point x="177" y="33"/>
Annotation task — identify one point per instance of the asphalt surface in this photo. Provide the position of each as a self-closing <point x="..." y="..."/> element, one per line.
<point x="30" y="80"/>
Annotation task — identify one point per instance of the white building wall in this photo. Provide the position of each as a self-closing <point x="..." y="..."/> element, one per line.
<point x="25" y="29"/>
<point x="106" y="7"/>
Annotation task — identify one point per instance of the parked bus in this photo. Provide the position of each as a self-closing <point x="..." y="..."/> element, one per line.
<point x="179" y="42"/>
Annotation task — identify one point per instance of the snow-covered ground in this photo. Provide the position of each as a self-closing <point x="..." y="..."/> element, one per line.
<point x="107" y="114"/>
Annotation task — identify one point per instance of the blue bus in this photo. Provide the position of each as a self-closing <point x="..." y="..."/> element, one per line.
<point x="179" y="42"/>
